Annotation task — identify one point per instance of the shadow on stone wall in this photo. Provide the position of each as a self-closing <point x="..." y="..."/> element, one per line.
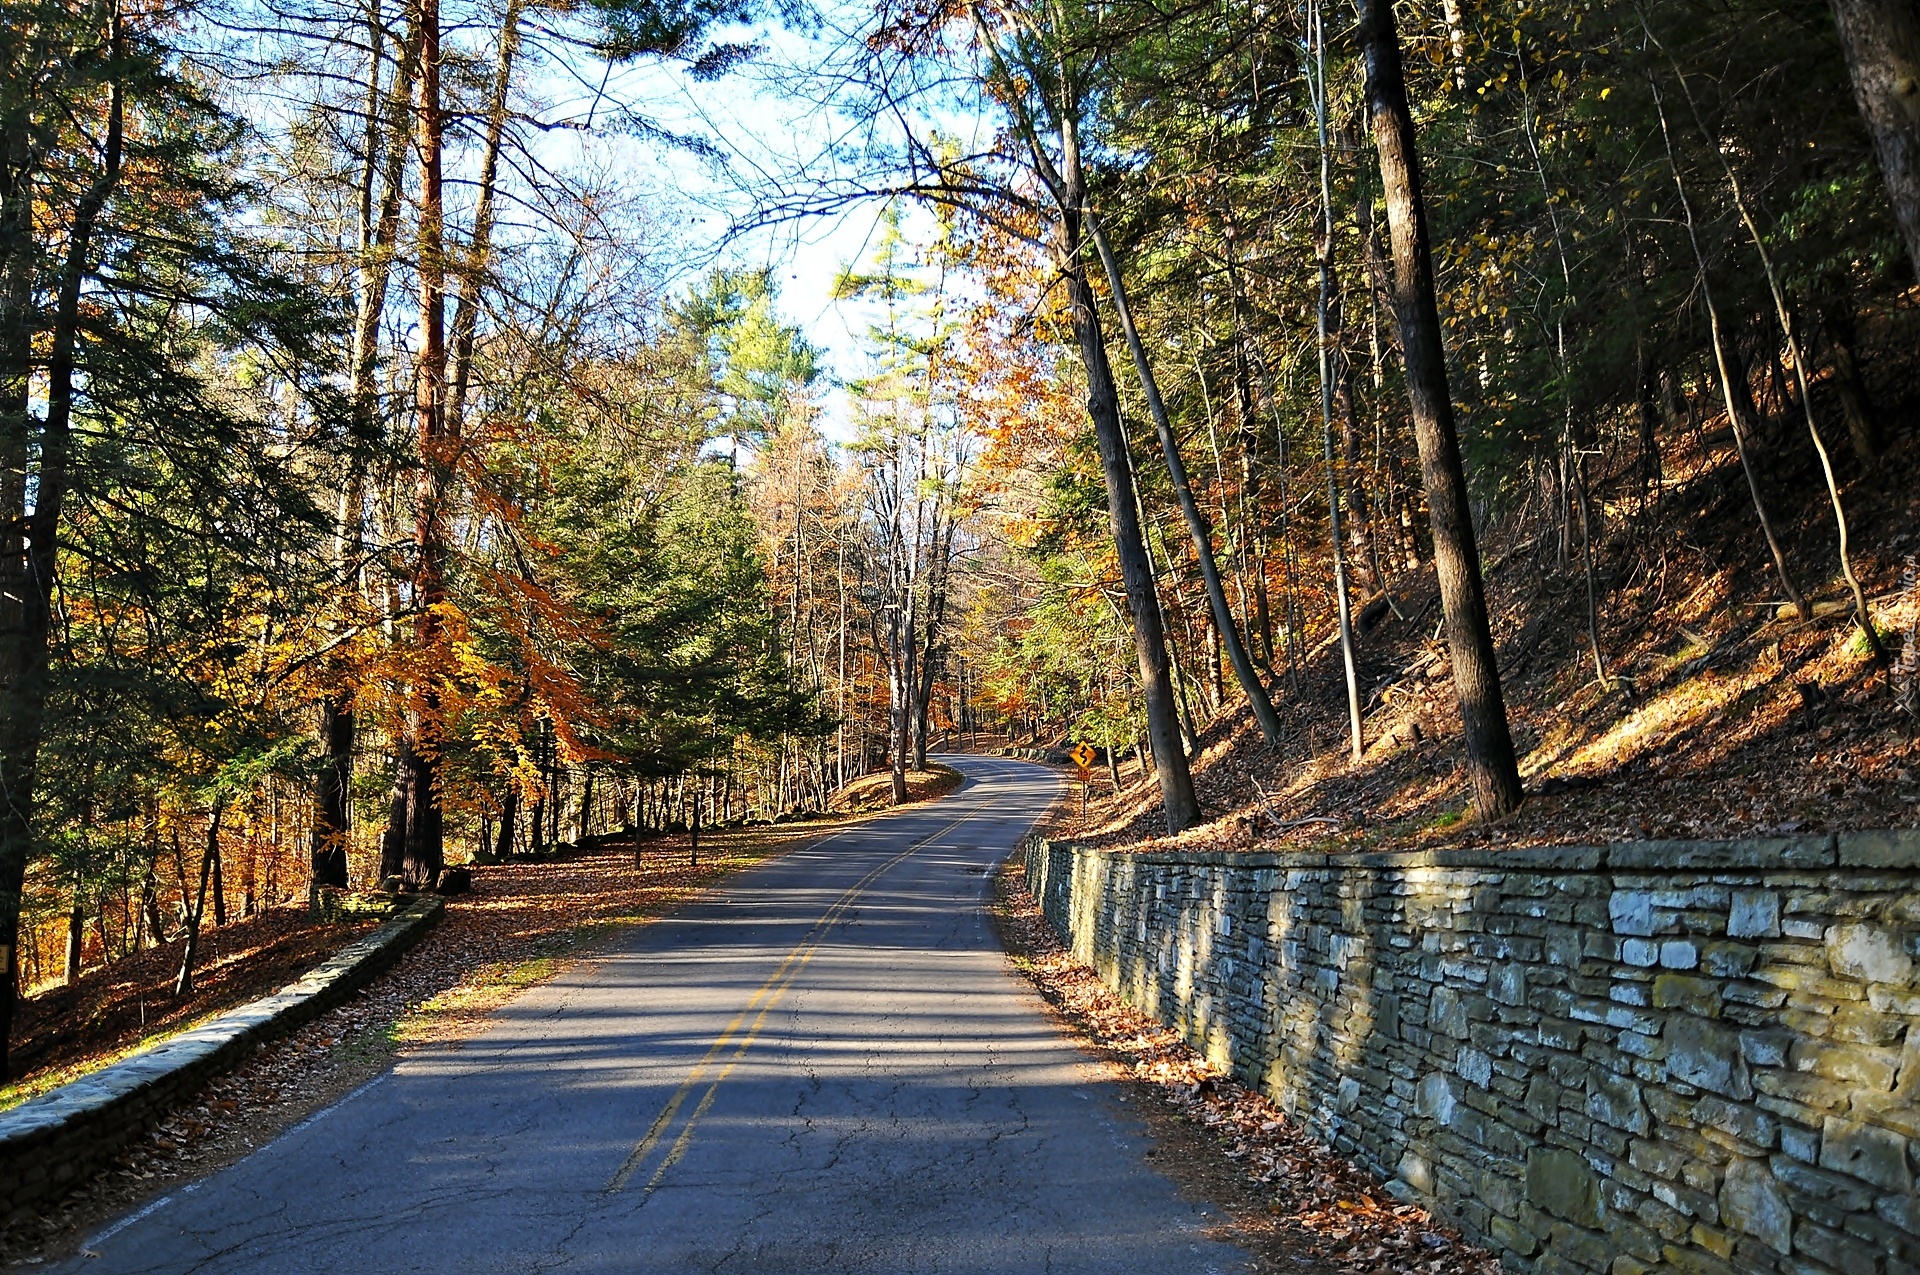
<point x="1697" y="1057"/>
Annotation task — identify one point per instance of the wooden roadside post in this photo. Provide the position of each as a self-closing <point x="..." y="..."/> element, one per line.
<point x="693" y="832"/>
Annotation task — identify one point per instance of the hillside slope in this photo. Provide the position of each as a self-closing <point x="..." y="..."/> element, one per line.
<point x="1728" y="715"/>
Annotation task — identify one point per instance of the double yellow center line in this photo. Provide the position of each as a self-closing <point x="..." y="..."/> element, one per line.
<point x="744" y="1029"/>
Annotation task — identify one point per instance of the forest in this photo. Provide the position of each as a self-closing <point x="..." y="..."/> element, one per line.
<point x="1335" y="414"/>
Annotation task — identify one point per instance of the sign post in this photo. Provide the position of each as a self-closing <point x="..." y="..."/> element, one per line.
<point x="1083" y="757"/>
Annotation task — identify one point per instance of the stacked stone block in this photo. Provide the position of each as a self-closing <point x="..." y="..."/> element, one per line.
<point x="1693" y="1057"/>
<point x="52" y="1143"/>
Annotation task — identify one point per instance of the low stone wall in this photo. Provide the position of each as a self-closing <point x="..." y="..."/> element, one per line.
<point x="50" y="1143"/>
<point x="1656" y="1056"/>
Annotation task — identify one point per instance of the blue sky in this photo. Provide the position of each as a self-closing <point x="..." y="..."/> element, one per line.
<point x="763" y="125"/>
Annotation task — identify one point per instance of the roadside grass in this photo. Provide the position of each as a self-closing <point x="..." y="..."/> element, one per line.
<point x="51" y="1078"/>
<point x="450" y="1012"/>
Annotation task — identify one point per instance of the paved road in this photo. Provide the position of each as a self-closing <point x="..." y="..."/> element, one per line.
<point x="824" y="1067"/>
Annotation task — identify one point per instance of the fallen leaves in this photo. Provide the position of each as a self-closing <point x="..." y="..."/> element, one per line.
<point x="1720" y="718"/>
<point x="1317" y="1202"/>
<point x="63" y="1033"/>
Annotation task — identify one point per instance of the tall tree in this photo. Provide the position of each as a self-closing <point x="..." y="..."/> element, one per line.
<point x="412" y="848"/>
<point x="386" y="143"/>
<point x="92" y="83"/>
<point x="1476" y="674"/>
<point x="1202" y="535"/>
<point x="1064" y="180"/>
<point x="1881" y="39"/>
<point x="124" y="172"/>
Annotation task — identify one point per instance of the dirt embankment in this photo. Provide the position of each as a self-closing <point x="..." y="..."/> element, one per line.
<point x="1722" y="713"/>
<point x="875" y="792"/>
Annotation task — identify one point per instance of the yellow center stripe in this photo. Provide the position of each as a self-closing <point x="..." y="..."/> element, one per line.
<point x="764" y="1001"/>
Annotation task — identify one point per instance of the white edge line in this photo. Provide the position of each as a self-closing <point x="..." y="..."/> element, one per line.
<point x="123" y="1224"/>
<point x="317" y="1116"/>
<point x="155" y="1206"/>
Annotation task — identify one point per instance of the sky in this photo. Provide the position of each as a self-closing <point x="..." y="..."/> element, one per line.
<point x="762" y="125"/>
<point x="766" y="118"/>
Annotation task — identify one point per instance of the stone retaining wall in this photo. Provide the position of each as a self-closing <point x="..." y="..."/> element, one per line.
<point x="1692" y="1057"/>
<point x="50" y="1143"/>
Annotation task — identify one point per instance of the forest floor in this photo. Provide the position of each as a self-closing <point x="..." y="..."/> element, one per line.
<point x="522" y="923"/>
<point x="1220" y="1141"/>
<point x="62" y="1033"/>
<point x="875" y="792"/>
<point x="1724" y="714"/>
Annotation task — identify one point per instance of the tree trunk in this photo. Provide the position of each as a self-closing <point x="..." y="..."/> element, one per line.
<point x="509" y="809"/>
<point x="1863" y="427"/>
<point x="378" y="233"/>
<point x="1363" y="557"/>
<point x="1396" y="502"/>
<point x="1725" y="362"/>
<point x="1881" y="39"/>
<point x="1066" y="186"/>
<point x="583" y="809"/>
<point x="23" y="625"/>
<point x="183" y="981"/>
<point x="219" y="888"/>
<point x="1483" y="713"/>
<point x="466" y="307"/>
<point x="23" y="652"/>
<point x="1190" y="733"/>
<point x="1650" y="465"/>
<point x="1182" y="809"/>
<point x="150" y="910"/>
<point x="421" y="826"/>
<point x="1202" y="535"/>
<point x="393" y="848"/>
<point x="333" y="815"/>
<point x="923" y="705"/>
<point x="933" y="655"/>
<point x="1216" y="687"/>
<point x="1328" y="325"/>
<point x="899" y="733"/>
<point x="76" y="939"/>
<point x="1783" y="313"/>
<point x="1250" y="497"/>
<point x="693" y="830"/>
<point x="1739" y="388"/>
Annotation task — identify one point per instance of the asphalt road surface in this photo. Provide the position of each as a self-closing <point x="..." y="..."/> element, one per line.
<point x="823" y="1066"/>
